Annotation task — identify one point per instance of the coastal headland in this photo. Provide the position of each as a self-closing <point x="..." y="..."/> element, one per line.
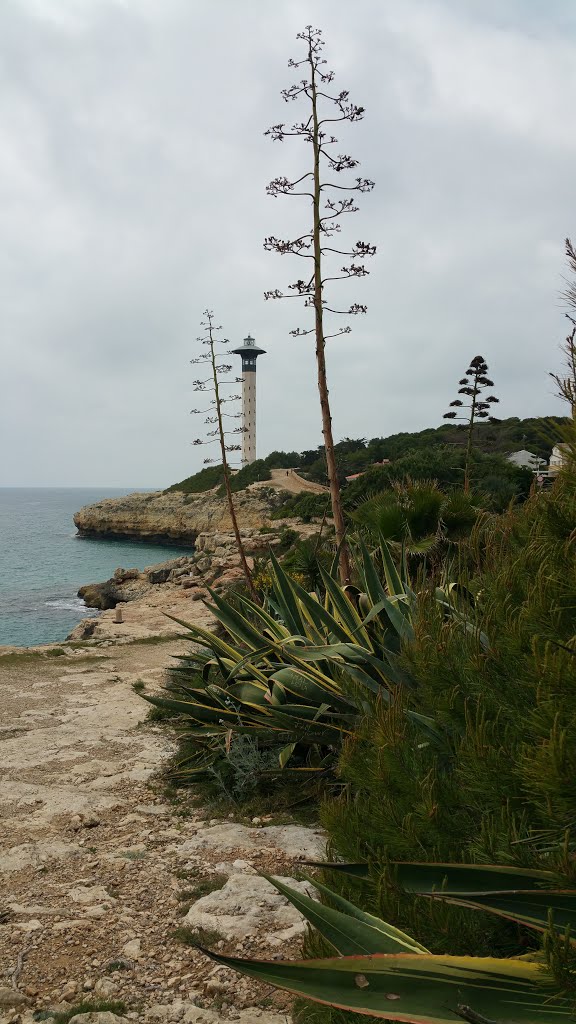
<point x="174" y="517"/>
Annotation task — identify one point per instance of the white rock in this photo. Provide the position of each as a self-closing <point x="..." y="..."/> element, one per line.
<point x="243" y="866"/>
<point x="131" y="949"/>
<point x="105" y="987"/>
<point x="90" y="894"/>
<point x="34" y="854"/>
<point x="295" y="842"/>
<point x="248" y="904"/>
<point x="98" y="911"/>
<point x="158" y="1011"/>
<point x="29" y="926"/>
<point x="97" y="1018"/>
<point x="199" y="1015"/>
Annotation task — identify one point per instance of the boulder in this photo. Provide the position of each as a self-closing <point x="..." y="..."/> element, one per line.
<point x="105" y="1017"/>
<point x="249" y="905"/>
<point x="100" y="595"/>
<point x="121" y="575"/>
<point x="11" y="998"/>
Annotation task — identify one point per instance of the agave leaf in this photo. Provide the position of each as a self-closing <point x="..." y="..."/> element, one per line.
<point x="394" y="583"/>
<point x="349" y="933"/>
<point x="286" y="753"/>
<point x="301" y="685"/>
<point x="537" y="910"/>
<point x="519" y="894"/>
<point x="276" y="626"/>
<point x="430" y="876"/>
<point x="200" y="712"/>
<point x="422" y="877"/>
<point x="317" y="613"/>
<point x="345" y="610"/>
<point x="398" y="941"/>
<point x="284" y="593"/>
<point x="417" y="988"/>
<point x="359" y="870"/>
<point x="236" y="624"/>
<point x="372" y="583"/>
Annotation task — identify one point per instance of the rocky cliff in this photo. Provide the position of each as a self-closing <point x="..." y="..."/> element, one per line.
<point x="174" y="517"/>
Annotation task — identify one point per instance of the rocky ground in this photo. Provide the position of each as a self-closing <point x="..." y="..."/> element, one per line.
<point x="100" y="867"/>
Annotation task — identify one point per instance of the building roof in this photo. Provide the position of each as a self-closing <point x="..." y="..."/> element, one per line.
<point x="249" y="348"/>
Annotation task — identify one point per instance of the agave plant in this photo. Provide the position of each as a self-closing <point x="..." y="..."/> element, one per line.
<point x="300" y="669"/>
<point x="381" y="971"/>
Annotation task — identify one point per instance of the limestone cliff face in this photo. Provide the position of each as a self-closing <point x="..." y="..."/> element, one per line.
<point x="174" y="517"/>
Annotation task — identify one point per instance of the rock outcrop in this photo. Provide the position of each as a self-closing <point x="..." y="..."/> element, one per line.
<point x="175" y="517"/>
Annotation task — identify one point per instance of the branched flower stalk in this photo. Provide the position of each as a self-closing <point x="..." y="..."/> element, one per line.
<point x="473" y="387"/>
<point x="214" y="384"/>
<point x="566" y="383"/>
<point x="329" y="205"/>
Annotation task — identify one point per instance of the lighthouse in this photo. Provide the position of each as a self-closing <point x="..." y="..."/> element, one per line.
<point x="249" y="352"/>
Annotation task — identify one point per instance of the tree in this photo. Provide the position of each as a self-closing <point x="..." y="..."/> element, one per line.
<point x="216" y="415"/>
<point x="329" y="203"/>
<point x="473" y="386"/>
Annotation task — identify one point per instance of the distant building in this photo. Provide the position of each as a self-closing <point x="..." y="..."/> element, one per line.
<point x="558" y="458"/>
<point x="525" y="459"/>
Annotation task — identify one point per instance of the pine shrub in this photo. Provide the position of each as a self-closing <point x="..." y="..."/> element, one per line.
<point x="501" y="785"/>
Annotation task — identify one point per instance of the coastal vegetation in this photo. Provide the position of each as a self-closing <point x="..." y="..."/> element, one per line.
<point x="437" y="723"/>
<point x="410" y="668"/>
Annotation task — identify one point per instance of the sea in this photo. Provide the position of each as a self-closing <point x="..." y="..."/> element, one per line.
<point x="43" y="562"/>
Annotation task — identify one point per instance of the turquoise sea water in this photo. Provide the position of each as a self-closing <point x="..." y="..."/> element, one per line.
<point x="43" y="562"/>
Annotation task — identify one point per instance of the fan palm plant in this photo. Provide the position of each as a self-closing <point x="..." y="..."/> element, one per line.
<point x="417" y="515"/>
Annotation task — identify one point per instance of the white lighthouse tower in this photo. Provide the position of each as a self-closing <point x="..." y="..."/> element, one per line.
<point x="249" y="352"/>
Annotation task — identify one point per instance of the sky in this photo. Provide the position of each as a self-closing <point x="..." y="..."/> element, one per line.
<point x="133" y="167"/>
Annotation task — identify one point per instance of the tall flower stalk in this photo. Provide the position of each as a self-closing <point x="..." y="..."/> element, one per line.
<point x="214" y="384"/>
<point x="473" y="386"/>
<point x="328" y="206"/>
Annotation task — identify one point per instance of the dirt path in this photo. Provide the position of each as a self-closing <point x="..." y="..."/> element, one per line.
<point x="289" y="480"/>
<point x="95" y="861"/>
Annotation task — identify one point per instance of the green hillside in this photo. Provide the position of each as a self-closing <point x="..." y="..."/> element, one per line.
<point x="437" y="453"/>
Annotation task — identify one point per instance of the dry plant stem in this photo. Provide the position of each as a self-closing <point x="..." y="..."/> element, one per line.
<point x="566" y="384"/>
<point x="331" y="202"/>
<point x="226" y="470"/>
<point x="469" y="445"/>
<point x="335" y="496"/>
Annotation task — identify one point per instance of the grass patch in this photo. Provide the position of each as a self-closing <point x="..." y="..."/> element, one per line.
<point x="151" y="641"/>
<point x="197" y="936"/>
<point x="156" y="714"/>
<point x="90" y="1006"/>
<point x="17" y="657"/>
<point x="203" y="887"/>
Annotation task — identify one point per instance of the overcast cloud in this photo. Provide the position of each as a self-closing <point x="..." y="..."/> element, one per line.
<point x="133" y="168"/>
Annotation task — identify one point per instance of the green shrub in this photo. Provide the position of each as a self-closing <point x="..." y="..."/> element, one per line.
<point x="204" y="480"/>
<point x="500" y="788"/>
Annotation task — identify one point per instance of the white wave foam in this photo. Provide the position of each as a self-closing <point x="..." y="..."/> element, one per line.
<point x="71" y="604"/>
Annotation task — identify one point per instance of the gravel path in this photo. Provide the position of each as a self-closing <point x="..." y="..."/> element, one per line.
<point x="99" y="867"/>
